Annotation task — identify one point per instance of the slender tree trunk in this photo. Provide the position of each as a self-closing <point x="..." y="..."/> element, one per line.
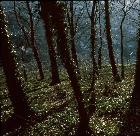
<point x="35" y="51"/>
<point x="101" y="40"/>
<point x="93" y="38"/>
<point x="23" y="66"/>
<point x="49" y="37"/>
<point x="122" y="47"/>
<point x="100" y="57"/>
<point x="109" y="41"/>
<point x="26" y="39"/>
<point x="131" y="125"/>
<point x="58" y="18"/>
<point x="18" y="19"/>
<point x="91" y="107"/>
<point x="72" y="34"/>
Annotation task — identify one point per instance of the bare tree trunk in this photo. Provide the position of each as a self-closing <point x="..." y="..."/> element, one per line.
<point x="131" y="125"/>
<point x="18" y="19"/>
<point x="93" y="38"/>
<point x="122" y="47"/>
<point x="26" y="39"/>
<point x="91" y="107"/>
<point x="125" y="12"/>
<point x="101" y="40"/>
<point x="72" y="34"/>
<point x="58" y="19"/>
<point x="49" y="37"/>
<point x="109" y="41"/>
<point x="35" y="51"/>
<point x="14" y="83"/>
<point x="23" y="66"/>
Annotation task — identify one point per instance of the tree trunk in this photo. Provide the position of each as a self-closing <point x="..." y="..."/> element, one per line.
<point x="91" y="107"/>
<point x="93" y="39"/>
<point x="58" y="18"/>
<point x="14" y="83"/>
<point x="122" y="47"/>
<point x="72" y="37"/>
<point x="35" y="51"/>
<point x="131" y="125"/>
<point x="18" y="19"/>
<point x="101" y="40"/>
<point x="23" y="66"/>
<point x="109" y="42"/>
<point x="49" y="37"/>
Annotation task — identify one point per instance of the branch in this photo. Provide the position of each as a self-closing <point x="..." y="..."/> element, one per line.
<point x="20" y="25"/>
<point x="88" y="11"/>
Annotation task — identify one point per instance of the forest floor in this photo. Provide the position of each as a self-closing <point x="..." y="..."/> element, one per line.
<point x="112" y="101"/>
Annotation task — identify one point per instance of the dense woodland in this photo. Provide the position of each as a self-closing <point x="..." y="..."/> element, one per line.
<point x="70" y="68"/>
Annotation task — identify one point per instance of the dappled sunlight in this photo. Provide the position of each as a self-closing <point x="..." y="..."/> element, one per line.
<point x="70" y="68"/>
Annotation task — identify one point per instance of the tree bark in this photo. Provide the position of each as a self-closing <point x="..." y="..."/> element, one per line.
<point x="122" y="48"/>
<point x="109" y="42"/>
<point x="91" y="107"/>
<point x="57" y="13"/>
<point x="131" y="125"/>
<point x="72" y="37"/>
<point x="49" y="37"/>
<point x="14" y="83"/>
<point x="18" y="19"/>
<point x="101" y="40"/>
<point x="35" y="51"/>
<point x="93" y="39"/>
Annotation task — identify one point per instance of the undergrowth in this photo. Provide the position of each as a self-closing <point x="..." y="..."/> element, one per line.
<point x="112" y="101"/>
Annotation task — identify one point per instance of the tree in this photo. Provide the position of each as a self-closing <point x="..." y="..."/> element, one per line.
<point x="49" y="36"/>
<point x="40" y="75"/>
<point x="23" y="46"/>
<point x="21" y="26"/>
<point x="57" y="12"/>
<point x="92" y="17"/>
<point x="131" y="125"/>
<point x="125" y="13"/>
<point x="109" y="42"/>
<point x="35" y="51"/>
<point x="101" y="40"/>
<point x="14" y="83"/>
<point x="93" y="36"/>
<point x="72" y="27"/>
<point x="122" y="37"/>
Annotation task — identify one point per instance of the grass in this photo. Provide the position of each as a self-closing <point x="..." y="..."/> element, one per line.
<point x="112" y="100"/>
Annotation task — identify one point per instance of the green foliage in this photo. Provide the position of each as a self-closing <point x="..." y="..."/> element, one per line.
<point x="112" y="100"/>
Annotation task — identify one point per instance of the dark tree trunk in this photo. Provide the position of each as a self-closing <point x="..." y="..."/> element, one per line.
<point x="49" y="37"/>
<point x="93" y="39"/>
<point x="14" y="83"/>
<point x="100" y="57"/>
<point x="101" y="40"/>
<point x="91" y="107"/>
<point x="35" y="51"/>
<point x="26" y="39"/>
<point x="72" y="37"/>
<point x="122" y="63"/>
<point x="122" y="47"/>
<point x="109" y="41"/>
<point x="36" y="55"/>
<point x="23" y="66"/>
<point x="18" y="19"/>
<point x="57" y="13"/>
<point x="131" y="125"/>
